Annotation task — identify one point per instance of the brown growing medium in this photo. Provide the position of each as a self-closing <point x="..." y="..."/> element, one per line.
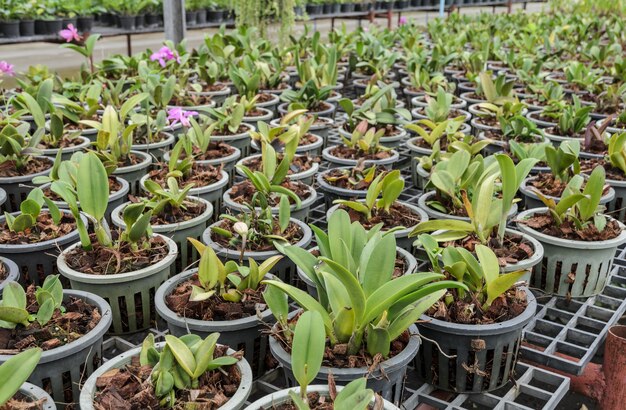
<point x="337" y="356"/>
<point x="79" y="318"/>
<point x="398" y="215"/>
<point x="568" y="133"/>
<point x="172" y="215"/>
<point x="299" y="164"/>
<point x="4" y="272"/>
<point x="292" y="235"/>
<point x="226" y="132"/>
<point x="200" y="175"/>
<point x="488" y="121"/>
<point x="513" y="249"/>
<point x="143" y="138"/>
<point x="114" y="186"/>
<point x="544" y="223"/>
<point x="243" y="192"/>
<point x="215" y="150"/>
<point x="22" y="402"/>
<point x="130" y="387"/>
<point x="44" y="230"/>
<point x="215" y="308"/>
<point x="547" y="184"/>
<point x="131" y="159"/>
<point x="345" y="152"/>
<point x="33" y="166"/>
<point x="121" y="259"/>
<point x="453" y="112"/>
<point x="65" y="142"/>
<point x="347" y="180"/>
<point x="465" y="310"/>
<point x="612" y="173"/>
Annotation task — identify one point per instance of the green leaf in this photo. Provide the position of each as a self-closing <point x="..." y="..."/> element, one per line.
<point x="30" y="207"/>
<point x="204" y="354"/>
<point x="283" y="213"/>
<point x="489" y="263"/>
<point x="377" y="263"/>
<point x="146" y="345"/>
<point x="501" y="284"/>
<point x="92" y="186"/>
<point x="308" y="347"/>
<point x="183" y="355"/>
<point x="441" y="224"/>
<point x="15" y="371"/>
<point x="13" y="295"/>
<point x="14" y="315"/>
<point x="140" y="227"/>
<point x="45" y="312"/>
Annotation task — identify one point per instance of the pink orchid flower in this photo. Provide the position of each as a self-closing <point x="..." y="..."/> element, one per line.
<point x="402" y="21"/>
<point x="6" y="68"/>
<point x="164" y="55"/>
<point x="177" y="114"/>
<point x="70" y="34"/>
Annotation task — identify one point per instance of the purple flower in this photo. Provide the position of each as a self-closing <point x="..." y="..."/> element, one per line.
<point x="402" y="21"/>
<point x="70" y="33"/>
<point x="164" y="55"/>
<point x="177" y="114"/>
<point x="6" y="68"/>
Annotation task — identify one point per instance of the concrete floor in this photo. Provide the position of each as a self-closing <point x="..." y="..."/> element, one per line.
<point x="67" y="62"/>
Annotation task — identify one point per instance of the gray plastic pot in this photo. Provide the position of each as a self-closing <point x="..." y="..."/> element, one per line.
<point x="386" y="379"/>
<point x="12" y="271"/>
<point x="64" y="368"/>
<point x="340" y="162"/>
<point x="266" y="117"/>
<point x="328" y="112"/>
<point x="556" y="140"/>
<point x="420" y="101"/>
<point x="418" y="116"/>
<point x="421" y="177"/>
<point x="301" y="213"/>
<point x="390" y="142"/>
<point x="402" y="235"/>
<point x="533" y="116"/>
<point x="331" y="192"/>
<point x="409" y="261"/>
<point x="228" y="162"/>
<point x="218" y="96"/>
<point x="66" y="153"/>
<point x="569" y="267"/>
<point x="282" y="397"/>
<point x="285" y="270"/>
<point x="496" y="146"/>
<point x="241" y="334"/>
<point x="123" y="290"/>
<point x="211" y="193"/>
<point x="157" y="149"/>
<point x="306" y="177"/>
<point x="17" y="188"/>
<point x="178" y="232"/>
<point x="416" y="152"/>
<point x="133" y="173"/>
<point x="465" y="96"/>
<point x="37" y="393"/>
<point x="36" y="261"/>
<point x="3" y="197"/>
<point x="314" y="149"/>
<point x="115" y="199"/>
<point x="240" y="141"/>
<point x="235" y="403"/>
<point x="617" y="206"/>
<point x="271" y="104"/>
<point x="492" y="349"/>
<point x="532" y="201"/>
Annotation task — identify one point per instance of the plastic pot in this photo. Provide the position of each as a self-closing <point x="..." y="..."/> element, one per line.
<point x="338" y="162"/>
<point x="432" y="213"/>
<point x="420" y="101"/>
<point x="328" y="112"/>
<point x="37" y="393"/>
<point x="235" y="403"/>
<point x="533" y="116"/>
<point x="532" y="201"/>
<point x="490" y="349"/>
<point x="215" y="16"/>
<point x="217" y="96"/>
<point x="240" y="141"/>
<point x="266" y="117"/>
<point x="387" y="378"/>
<point x="271" y="104"/>
<point x="317" y="129"/>
<point x="12" y="272"/>
<point x="617" y="206"/>
<point x="569" y="267"/>
<point x="402" y="235"/>
<point x="416" y="152"/>
<point x="178" y="232"/>
<point x="282" y="396"/>
<point x="285" y="270"/>
<point x="556" y="140"/>
<point x="409" y="261"/>
<point x="115" y="199"/>
<point x="84" y="24"/>
<point x="241" y="334"/>
<point x="306" y="177"/>
<point x="27" y="28"/>
<point x="36" y="261"/>
<point x="10" y="28"/>
<point x="157" y="149"/>
<point x="66" y="153"/>
<point x="133" y="173"/>
<point x="47" y="27"/>
<point x="124" y="290"/>
<point x="127" y="22"/>
<point x="17" y="188"/>
<point x="332" y="192"/>
<point x="228" y="162"/>
<point x="301" y="213"/>
<point x="64" y="368"/>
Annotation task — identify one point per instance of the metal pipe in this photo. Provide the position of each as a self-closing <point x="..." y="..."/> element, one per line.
<point x="174" y="20"/>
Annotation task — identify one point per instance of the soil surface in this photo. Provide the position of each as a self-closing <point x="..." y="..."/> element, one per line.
<point x="77" y="320"/>
<point x="114" y="186"/>
<point x="299" y="164"/>
<point x="33" y="166"/>
<point x="190" y="100"/>
<point x="62" y="143"/>
<point x="514" y="248"/>
<point x="349" y="179"/>
<point x="557" y="131"/>
<point x="465" y="311"/>
<point x="172" y="215"/>
<point x="143" y="138"/>
<point x="612" y="173"/>
<point x="200" y="175"/>
<point x="130" y="387"/>
<point x="545" y="224"/>
<point x="226" y="132"/>
<point x="22" y="402"/>
<point x="345" y="152"/>
<point x="398" y="215"/>
<point x="547" y="184"/>
<point x="338" y="357"/>
<point x="44" y="230"/>
<point x="292" y="235"/>
<point x="215" y="308"/>
<point x="4" y="272"/>
<point x="120" y="259"/>
<point x="243" y="192"/>
<point x="215" y="150"/>
<point x="453" y="112"/>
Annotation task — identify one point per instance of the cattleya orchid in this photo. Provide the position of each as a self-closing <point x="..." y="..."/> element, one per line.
<point x="70" y="34"/>
<point x="164" y="55"/>
<point x="6" y="68"/>
<point x="178" y="115"/>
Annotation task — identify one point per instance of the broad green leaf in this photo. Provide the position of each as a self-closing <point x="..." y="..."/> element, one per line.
<point x="15" y="371"/>
<point x="308" y="347"/>
<point x="92" y="186"/>
<point x="183" y="355"/>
